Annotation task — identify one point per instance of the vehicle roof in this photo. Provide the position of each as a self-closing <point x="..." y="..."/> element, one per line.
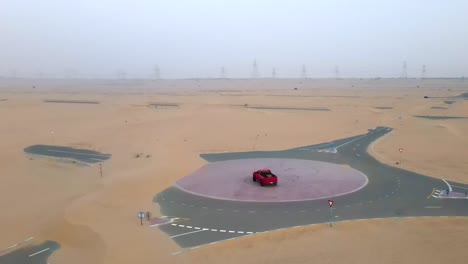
<point x="264" y="170"/>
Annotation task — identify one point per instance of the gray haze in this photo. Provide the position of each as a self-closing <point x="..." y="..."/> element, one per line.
<point x="188" y="39"/>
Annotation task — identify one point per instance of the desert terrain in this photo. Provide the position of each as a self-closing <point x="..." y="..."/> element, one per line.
<point x="94" y="218"/>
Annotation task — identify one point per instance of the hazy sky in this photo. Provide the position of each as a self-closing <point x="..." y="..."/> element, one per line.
<point x="195" y="38"/>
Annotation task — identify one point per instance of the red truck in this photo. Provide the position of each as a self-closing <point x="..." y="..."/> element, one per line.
<point x="265" y="177"/>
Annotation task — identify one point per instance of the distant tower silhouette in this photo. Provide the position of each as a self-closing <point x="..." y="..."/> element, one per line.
<point x="337" y="72"/>
<point x="222" y="73"/>
<point x="304" y="72"/>
<point x="255" y="70"/>
<point x="13" y="74"/>
<point x="121" y="75"/>
<point x="273" y="73"/>
<point x="404" y="73"/>
<point x="423" y="72"/>
<point x="157" y="72"/>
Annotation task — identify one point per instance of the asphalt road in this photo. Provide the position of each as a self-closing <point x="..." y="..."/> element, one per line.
<point x="80" y="155"/>
<point x="37" y="254"/>
<point x="391" y="192"/>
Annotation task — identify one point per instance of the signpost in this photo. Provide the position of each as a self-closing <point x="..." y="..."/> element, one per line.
<point x="401" y="151"/>
<point x="330" y="204"/>
<point x="141" y="215"/>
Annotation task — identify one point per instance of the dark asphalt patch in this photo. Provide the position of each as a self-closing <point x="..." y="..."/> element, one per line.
<point x="70" y="102"/>
<point x="81" y="155"/>
<point x="442" y="117"/>
<point x="438" y="107"/>
<point x="28" y="255"/>
<point x="162" y="105"/>
<point x="383" y="107"/>
<point x="289" y="108"/>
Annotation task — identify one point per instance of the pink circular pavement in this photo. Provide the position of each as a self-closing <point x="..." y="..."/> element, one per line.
<point x="298" y="180"/>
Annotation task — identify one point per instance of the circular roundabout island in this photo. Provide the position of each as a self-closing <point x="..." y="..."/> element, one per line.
<point x="298" y="180"/>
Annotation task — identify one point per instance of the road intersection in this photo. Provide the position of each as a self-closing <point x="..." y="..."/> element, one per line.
<point x="391" y="192"/>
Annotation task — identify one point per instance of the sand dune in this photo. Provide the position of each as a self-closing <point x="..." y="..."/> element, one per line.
<point x="94" y="218"/>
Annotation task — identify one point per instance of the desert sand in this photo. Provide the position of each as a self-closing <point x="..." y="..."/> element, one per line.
<point x="94" y="219"/>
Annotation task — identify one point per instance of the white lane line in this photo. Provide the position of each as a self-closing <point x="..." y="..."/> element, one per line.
<point x="230" y="231"/>
<point x="433" y="207"/>
<point x="240" y="232"/>
<point x="174" y="224"/>
<point x="39" y="252"/>
<point x="214" y="230"/>
<point x="181" y="225"/>
<point x="435" y="196"/>
<point x="460" y="187"/>
<point x="450" y="187"/>
<point x="358" y="155"/>
<point x="178" y="252"/>
<point x="188" y="226"/>
<point x="222" y="230"/>
<point x="249" y="232"/>
<point x="236" y="211"/>
<point x="188" y="233"/>
<point x="17" y="244"/>
<point x="196" y="227"/>
<point x="204" y="207"/>
<point x="350" y="141"/>
<point x="77" y="153"/>
<point x="220" y="209"/>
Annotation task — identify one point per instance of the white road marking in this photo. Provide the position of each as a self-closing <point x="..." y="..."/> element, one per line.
<point x="249" y="232"/>
<point x="240" y="232"/>
<point x="214" y="230"/>
<point x="70" y="152"/>
<point x="230" y="231"/>
<point x="188" y="226"/>
<point x="357" y="154"/>
<point x="251" y="211"/>
<point x="183" y="204"/>
<point x="348" y="206"/>
<point x="224" y="231"/>
<point x="196" y="227"/>
<point x="188" y="233"/>
<point x="460" y="187"/>
<point x="174" y="224"/>
<point x="178" y="252"/>
<point x="350" y="141"/>
<point x="181" y="225"/>
<point x="435" y="196"/>
<point x="39" y="252"/>
<point x="236" y="211"/>
<point x="450" y="187"/>
<point x="303" y="211"/>
<point x="204" y="207"/>
<point x="433" y="207"/>
<point x="220" y="209"/>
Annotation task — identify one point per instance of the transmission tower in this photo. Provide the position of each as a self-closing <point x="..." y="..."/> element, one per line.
<point x="222" y="73"/>
<point x="273" y="73"/>
<point x="157" y="72"/>
<point x="337" y="72"/>
<point x="255" y="70"/>
<point x="404" y="73"/>
<point x="304" y="72"/>
<point x="423" y="72"/>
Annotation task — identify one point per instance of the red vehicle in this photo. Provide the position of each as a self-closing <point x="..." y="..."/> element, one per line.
<point x="265" y="177"/>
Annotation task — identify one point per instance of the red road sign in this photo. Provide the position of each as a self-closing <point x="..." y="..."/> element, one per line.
<point x="330" y="203"/>
<point x="400" y="149"/>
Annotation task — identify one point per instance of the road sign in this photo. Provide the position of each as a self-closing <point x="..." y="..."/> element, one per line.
<point x="400" y="149"/>
<point x="330" y="203"/>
